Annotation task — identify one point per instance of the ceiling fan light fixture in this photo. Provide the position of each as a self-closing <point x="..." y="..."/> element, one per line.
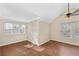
<point x="68" y="14"/>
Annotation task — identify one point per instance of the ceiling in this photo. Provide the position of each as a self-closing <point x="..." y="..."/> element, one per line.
<point x="27" y="12"/>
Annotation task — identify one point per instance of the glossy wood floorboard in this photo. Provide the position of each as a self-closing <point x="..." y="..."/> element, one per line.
<point x="0" y="51"/>
<point x="51" y="48"/>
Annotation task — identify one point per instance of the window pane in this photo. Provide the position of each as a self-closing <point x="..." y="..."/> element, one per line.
<point x="12" y="28"/>
<point x="8" y="26"/>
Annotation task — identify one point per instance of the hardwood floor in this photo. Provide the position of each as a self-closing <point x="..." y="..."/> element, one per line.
<point x="51" y="48"/>
<point x="0" y="51"/>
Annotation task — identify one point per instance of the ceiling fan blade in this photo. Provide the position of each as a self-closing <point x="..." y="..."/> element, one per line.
<point x="74" y="14"/>
<point x="76" y="11"/>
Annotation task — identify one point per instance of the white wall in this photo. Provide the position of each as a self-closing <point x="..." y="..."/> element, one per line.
<point x="44" y="32"/>
<point x="32" y="31"/>
<point x="6" y="39"/>
<point x="38" y="32"/>
<point x="56" y="30"/>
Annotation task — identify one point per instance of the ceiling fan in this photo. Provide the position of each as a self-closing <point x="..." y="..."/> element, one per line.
<point x="71" y="13"/>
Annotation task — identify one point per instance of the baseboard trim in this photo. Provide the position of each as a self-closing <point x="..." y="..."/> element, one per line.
<point x="66" y="43"/>
<point x="43" y="42"/>
<point x="12" y="43"/>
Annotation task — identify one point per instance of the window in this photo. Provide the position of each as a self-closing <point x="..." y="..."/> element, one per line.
<point x="11" y="28"/>
<point x="66" y="29"/>
<point x="70" y="29"/>
<point x="8" y="27"/>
